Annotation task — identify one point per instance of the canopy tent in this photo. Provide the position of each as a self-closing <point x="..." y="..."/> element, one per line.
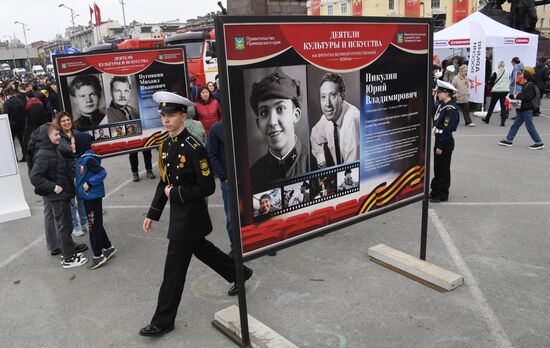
<point x="505" y="41"/>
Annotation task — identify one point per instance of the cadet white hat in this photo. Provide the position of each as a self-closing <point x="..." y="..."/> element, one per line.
<point x="445" y="86"/>
<point x="171" y="102"/>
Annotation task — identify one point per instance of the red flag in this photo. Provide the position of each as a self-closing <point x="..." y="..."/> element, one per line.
<point x="97" y="14"/>
<point x="357" y="8"/>
<point x="412" y="8"/>
<point x="315" y="8"/>
<point x="91" y="12"/>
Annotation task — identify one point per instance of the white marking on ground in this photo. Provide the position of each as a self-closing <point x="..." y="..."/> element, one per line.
<point x="470" y="282"/>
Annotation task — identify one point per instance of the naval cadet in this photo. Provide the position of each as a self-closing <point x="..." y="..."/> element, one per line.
<point x="276" y="102"/>
<point x="446" y="120"/>
<point x="186" y="180"/>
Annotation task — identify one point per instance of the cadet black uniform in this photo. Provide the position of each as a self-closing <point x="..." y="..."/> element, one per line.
<point x="183" y="163"/>
<point x="446" y="121"/>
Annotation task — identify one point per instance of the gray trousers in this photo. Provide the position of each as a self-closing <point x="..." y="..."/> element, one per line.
<point x="52" y="242"/>
<point x="63" y="221"/>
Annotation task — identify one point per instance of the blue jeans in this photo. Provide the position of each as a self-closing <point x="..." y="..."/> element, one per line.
<point x="81" y="213"/>
<point x="527" y="117"/>
<point x="227" y="208"/>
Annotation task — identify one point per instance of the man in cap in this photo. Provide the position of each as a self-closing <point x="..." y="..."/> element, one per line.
<point x="337" y="131"/>
<point x="445" y="122"/>
<point x="186" y="180"/>
<point x="276" y="102"/>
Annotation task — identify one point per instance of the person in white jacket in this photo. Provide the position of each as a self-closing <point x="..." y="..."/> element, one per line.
<point x="500" y="82"/>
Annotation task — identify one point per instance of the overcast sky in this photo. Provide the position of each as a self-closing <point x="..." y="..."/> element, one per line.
<point x="45" y="19"/>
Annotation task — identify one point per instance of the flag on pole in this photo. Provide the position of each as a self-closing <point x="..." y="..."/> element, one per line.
<point x="97" y="12"/>
<point x="476" y="63"/>
<point x="91" y="13"/>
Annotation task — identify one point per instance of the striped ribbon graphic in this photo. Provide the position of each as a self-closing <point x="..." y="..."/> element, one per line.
<point x="382" y="194"/>
<point x="156" y="138"/>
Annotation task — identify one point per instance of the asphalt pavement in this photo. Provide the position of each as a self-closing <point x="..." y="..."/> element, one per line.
<point x="321" y="293"/>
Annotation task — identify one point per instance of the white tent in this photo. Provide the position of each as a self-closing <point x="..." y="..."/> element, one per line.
<point x="506" y="42"/>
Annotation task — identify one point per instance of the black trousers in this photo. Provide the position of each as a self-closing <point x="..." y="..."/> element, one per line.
<point x="175" y="269"/>
<point x="498" y="96"/>
<point x="19" y="132"/>
<point x="134" y="162"/>
<point x="465" y="108"/>
<point x="442" y="171"/>
<point x="98" y="236"/>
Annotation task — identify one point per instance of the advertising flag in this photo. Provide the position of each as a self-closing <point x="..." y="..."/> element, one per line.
<point x="460" y="10"/>
<point x="315" y="7"/>
<point x="97" y="14"/>
<point x="476" y="64"/>
<point x="357" y="7"/>
<point x="412" y="8"/>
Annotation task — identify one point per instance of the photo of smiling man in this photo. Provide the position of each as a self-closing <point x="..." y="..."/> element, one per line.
<point x="276" y="101"/>
<point x="87" y="101"/>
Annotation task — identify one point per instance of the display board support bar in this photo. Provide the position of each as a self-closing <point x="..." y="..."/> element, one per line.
<point x="419" y="270"/>
<point x="227" y="321"/>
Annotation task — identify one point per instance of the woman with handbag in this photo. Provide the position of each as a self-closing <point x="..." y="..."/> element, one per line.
<point x="500" y="82"/>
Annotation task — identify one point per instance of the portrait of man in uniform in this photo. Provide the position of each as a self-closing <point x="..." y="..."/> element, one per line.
<point x="87" y="104"/>
<point x="276" y="149"/>
<point x="335" y="135"/>
<point x="122" y="98"/>
<point x="101" y="134"/>
<point x="267" y="202"/>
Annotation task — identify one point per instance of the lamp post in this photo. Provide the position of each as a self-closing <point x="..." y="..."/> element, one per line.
<point x="72" y="12"/>
<point x="25" y="36"/>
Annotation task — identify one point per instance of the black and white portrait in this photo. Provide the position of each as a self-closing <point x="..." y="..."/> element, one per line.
<point x="121" y="97"/>
<point x="277" y="124"/>
<point x="296" y="193"/>
<point x="334" y="116"/>
<point x="267" y="202"/>
<point x="347" y="179"/>
<point x="101" y="134"/>
<point x="87" y="101"/>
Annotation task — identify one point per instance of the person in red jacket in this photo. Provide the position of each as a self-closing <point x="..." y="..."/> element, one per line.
<point x="207" y="109"/>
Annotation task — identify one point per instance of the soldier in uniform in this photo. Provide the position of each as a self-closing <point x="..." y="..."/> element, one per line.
<point x="445" y="122"/>
<point x="186" y="180"/>
<point x="276" y="102"/>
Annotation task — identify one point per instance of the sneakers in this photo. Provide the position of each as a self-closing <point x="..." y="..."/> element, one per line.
<point x="150" y="174"/>
<point x="97" y="262"/>
<point x="505" y="142"/>
<point x="135" y="177"/>
<point x="108" y="253"/>
<point x="537" y="146"/>
<point x="471" y="124"/>
<point x="75" y="261"/>
<point x="77" y="231"/>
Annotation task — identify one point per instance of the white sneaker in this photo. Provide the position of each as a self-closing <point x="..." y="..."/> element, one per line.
<point x="77" y="231"/>
<point x="471" y="124"/>
<point x="75" y="262"/>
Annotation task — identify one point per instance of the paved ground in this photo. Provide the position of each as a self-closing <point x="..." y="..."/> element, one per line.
<point x="322" y="293"/>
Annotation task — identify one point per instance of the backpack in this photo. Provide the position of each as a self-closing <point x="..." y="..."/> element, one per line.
<point x="536" y="99"/>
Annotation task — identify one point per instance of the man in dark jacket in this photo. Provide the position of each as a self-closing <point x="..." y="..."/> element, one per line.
<point x="15" y="108"/>
<point x="53" y="180"/>
<point x="541" y="77"/>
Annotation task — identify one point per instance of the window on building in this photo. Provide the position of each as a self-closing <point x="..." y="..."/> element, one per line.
<point x="344" y="8"/>
<point x="391" y="5"/>
<point x="436" y="4"/>
<point x="330" y="10"/>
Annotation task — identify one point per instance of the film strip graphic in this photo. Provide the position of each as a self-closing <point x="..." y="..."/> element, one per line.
<point x="315" y="176"/>
<point x="109" y="133"/>
<point x="383" y="194"/>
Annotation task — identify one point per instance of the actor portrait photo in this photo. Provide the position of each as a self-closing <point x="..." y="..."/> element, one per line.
<point x="277" y="125"/>
<point x="267" y="202"/>
<point x="348" y="179"/>
<point x="335" y="135"/>
<point x="326" y="185"/>
<point x="122" y="99"/>
<point x="101" y="134"/>
<point x="133" y="129"/>
<point x="117" y="131"/>
<point x="296" y="193"/>
<point x="87" y="102"/>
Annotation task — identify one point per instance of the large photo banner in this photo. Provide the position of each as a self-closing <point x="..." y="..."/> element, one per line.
<point x="110" y="94"/>
<point x="328" y="122"/>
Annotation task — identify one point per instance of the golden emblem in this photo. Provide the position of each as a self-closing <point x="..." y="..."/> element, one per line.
<point x="203" y="164"/>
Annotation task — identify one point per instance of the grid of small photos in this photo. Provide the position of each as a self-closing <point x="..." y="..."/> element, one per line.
<point x="304" y="191"/>
<point x="116" y="131"/>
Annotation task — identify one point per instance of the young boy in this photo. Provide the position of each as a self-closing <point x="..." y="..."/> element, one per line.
<point x="89" y="187"/>
<point x="53" y="180"/>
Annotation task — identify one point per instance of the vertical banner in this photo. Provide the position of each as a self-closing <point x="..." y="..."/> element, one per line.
<point x="357" y="7"/>
<point x="315" y="7"/>
<point x="110" y="94"/>
<point x="412" y="8"/>
<point x="327" y="122"/>
<point x="460" y="10"/>
<point x="476" y="63"/>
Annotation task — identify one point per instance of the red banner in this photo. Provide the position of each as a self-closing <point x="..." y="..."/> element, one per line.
<point x="357" y="7"/>
<point x="412" y="8"/>
<point x="460" y="10"/>
<point x="315" y="7"/>
<point x="97" y="14"/>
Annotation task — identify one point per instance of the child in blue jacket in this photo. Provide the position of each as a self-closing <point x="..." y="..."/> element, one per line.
<point x="90" y="188"/>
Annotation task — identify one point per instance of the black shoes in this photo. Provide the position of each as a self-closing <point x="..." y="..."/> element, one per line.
<point x="233" y="289"/>
<point x="437" y="199"/>
<point x="78" y="248"/>
<point x="55" y="252"/>
<point x="153" y="331"/>
<point x="485" y="120"/>
<point x="135" y="177"/>
<point x="150" y="174"/>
